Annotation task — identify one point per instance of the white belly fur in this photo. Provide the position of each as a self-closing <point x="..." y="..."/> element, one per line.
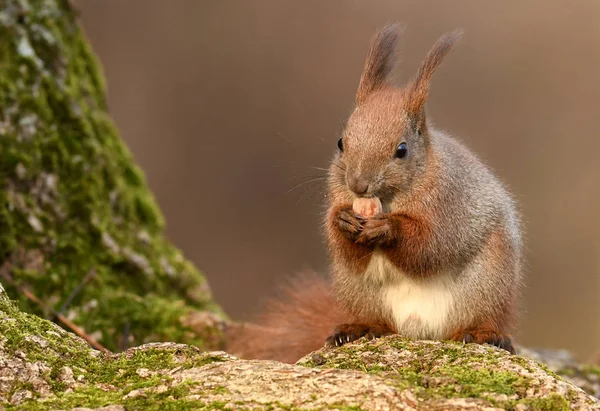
<point x="421" y="309"/>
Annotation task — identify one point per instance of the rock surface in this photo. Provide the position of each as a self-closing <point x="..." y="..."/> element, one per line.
<point x="561" y="362"/>
<point x="43" y="367"/>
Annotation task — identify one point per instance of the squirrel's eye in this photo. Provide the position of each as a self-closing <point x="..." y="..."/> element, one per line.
<point x="401" y="150"/>
<point x="340" y="145"/>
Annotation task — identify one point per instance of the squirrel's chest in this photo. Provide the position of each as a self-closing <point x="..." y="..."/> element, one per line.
<point x="420" y="309"/>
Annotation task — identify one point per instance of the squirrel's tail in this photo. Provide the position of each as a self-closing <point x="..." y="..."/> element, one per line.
<point x="290" y="326"/>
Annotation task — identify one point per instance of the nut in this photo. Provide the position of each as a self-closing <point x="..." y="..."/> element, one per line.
<point x="367" y="207"/>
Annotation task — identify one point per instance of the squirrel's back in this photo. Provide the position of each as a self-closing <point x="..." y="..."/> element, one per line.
<point x="474" y="187"/>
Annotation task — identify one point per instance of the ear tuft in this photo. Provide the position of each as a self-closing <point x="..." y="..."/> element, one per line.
<point x="418" y="87"/>
<point x="380" y="61"/>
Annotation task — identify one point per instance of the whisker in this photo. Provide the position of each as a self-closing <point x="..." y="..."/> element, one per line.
<point x="281" y="136"/>
<point x="310" y="177"/>
<point x="318" y="168"/>
<point x="338" y="166"/>
<point x="318" y="189"/>
<point x="300" y="184"/>
<point x="314" y="187"/>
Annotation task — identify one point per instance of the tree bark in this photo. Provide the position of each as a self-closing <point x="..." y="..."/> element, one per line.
<point x="81" y="236"/>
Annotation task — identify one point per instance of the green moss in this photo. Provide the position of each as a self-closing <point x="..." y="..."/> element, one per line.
<point x="105" y="378"/>
<point x="73" y="200"/>
<point x="137" y="379"/>
<point x="92" y="397"/>
<point x="171" y="398"/>
<point x="434" y="371"/>
<point x="554" y="402"/>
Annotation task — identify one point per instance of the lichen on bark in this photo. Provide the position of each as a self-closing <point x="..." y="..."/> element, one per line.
<point x="74" y="202"/>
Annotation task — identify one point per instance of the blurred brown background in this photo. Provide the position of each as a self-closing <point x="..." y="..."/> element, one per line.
<point x="227" y="104"/>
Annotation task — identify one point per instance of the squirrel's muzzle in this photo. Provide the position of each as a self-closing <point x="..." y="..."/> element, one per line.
<point x="358" y="185"/>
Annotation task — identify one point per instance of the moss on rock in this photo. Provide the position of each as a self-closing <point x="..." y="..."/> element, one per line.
<point x="43" y="367"/>
<point x="74" y="202"/>
<point x="438" y="371"/>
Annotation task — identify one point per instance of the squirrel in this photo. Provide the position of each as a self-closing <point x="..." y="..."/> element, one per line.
<point x="441" y="257"/>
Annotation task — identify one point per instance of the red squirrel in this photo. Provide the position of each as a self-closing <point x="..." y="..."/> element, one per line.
<point x="441" y="257"/>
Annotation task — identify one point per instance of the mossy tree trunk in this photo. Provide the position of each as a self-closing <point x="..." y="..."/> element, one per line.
<point x="79" y="228"/>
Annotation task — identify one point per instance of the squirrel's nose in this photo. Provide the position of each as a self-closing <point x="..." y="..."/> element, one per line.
<point x="358" y="185"/>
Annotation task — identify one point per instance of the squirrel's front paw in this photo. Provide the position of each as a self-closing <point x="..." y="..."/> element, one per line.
<point x="376" y="231"/>
<point x="349" y="223"/>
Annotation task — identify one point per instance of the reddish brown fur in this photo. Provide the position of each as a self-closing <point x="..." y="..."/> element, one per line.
<point x="406" y="242"/>
<point x="295" y="323"/>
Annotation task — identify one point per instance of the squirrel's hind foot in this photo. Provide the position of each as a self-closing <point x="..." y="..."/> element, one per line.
<point x="486" y="337"/>
<point x="346" y="333"/>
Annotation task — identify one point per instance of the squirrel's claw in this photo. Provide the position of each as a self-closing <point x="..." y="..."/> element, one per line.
<point x="346" y="333"/>
<point x="349" y="223"/>
<point x="500" y="341"/>
<point x="376" y="231"/>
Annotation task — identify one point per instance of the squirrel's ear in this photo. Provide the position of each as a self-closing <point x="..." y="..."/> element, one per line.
<point x="418" y="87"/>
<point x="380" y="61"/>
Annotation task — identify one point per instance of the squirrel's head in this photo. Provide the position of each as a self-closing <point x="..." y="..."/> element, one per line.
<point x="384" y="145"/>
